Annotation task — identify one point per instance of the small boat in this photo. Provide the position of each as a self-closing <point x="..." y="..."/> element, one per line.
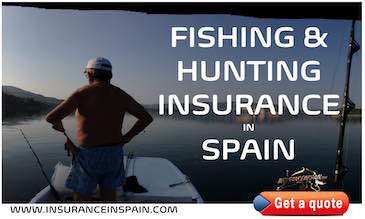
<point x="164" y="182"/>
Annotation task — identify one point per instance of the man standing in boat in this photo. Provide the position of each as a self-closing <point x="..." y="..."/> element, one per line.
<point x="100" y="108"/>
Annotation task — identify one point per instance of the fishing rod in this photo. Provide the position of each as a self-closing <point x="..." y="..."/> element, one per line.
<point x="347" y="106"/>
<point x="53" y="190"/>
<point x="68" y="150"/>
<point x="73" y="153"/>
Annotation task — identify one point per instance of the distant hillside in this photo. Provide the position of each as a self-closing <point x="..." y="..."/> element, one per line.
<point x="17" y="92"/>
<point x="17" y="106"/>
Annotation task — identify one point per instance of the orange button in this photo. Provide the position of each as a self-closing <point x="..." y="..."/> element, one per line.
<point x="302" y="203"/>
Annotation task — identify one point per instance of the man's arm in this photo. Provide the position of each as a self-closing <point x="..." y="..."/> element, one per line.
<point x="144" y="119"/>
<point x="61" y="111"/>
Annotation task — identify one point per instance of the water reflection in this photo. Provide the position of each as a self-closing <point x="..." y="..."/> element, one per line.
<point x="179" y="140"/>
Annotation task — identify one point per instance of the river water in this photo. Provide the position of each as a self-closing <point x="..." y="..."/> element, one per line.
<point x="180" y="140"/>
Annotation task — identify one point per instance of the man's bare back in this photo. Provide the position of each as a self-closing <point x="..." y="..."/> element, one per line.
<point x="100" y="113"/>
<point x="100" y="110"/>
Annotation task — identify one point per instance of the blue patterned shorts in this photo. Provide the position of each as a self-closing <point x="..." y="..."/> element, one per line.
<point x="101" y="166"/>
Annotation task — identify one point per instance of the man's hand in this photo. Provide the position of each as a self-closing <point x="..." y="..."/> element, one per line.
<point x="144" y="119"/>
<point x="70" y="147"/>
<point x="125" y="139"/>
<point x="58" y="126"/>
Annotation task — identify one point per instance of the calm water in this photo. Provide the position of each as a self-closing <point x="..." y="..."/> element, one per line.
<point x="180" y="141"/>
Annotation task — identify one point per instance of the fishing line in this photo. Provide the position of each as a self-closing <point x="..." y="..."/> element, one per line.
<point x="53" y="190"/>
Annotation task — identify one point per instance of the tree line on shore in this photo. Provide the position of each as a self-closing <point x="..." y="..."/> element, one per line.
<point x="14" y="106"/>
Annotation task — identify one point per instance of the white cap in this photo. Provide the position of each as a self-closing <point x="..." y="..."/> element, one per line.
<point x="99" y="63"/>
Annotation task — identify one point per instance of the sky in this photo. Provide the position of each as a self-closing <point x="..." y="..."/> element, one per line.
<point x="45" y="51"/>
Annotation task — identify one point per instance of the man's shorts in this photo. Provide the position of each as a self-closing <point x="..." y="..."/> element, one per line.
<point x="101" y="166"/>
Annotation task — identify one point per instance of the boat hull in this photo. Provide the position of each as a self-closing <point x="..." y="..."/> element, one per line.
<point x="163" y="180"/>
